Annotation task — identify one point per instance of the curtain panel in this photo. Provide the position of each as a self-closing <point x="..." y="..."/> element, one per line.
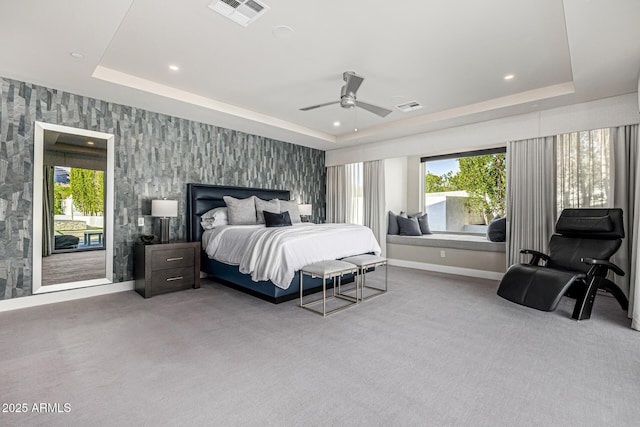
<point x="336" y="194"/>
<point x="531" y="205"/>
<point x="354" y="193"/>
<point x="374" y="198"/>
<point x="626" y="195"/>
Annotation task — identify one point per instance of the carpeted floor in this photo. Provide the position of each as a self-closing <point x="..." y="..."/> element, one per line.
<point x="437" y="350"/>
<point x="76" y="266"/>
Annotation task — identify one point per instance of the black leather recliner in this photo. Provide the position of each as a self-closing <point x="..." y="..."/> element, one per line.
<point x="577" y="264"/>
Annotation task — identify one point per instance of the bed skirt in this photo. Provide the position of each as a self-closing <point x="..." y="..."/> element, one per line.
<point x="230" y="275"/>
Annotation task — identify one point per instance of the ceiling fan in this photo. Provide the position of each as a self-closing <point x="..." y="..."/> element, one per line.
<point x="348" y="96"/>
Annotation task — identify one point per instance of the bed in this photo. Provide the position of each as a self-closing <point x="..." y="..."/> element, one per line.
<point x="201" y="198"/>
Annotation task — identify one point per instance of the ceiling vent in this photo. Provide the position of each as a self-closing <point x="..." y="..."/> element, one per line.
<point x="244" y="12"/>
<point x="409" y="106"/>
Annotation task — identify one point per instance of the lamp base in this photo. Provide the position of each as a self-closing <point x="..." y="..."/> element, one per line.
<point x="164" y="230"/>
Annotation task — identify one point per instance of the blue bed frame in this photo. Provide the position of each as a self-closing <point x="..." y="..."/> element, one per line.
<point x="201" y="198"/>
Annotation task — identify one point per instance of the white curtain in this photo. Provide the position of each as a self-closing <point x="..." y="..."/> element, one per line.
<point x="354" y="193"/>
<point x="626" y="195"/>
<point x="531" y="204"/>
<point x="374" y="198"/>
<point x="336" y="194"/>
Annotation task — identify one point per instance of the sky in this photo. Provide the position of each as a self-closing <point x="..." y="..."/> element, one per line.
<point x="440" y="167"/>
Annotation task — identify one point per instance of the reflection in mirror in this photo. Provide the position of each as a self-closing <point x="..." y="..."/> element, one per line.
<point x="74" y="232"/>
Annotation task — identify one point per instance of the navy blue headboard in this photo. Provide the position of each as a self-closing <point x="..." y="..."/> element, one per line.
<point x="201" y="198"/>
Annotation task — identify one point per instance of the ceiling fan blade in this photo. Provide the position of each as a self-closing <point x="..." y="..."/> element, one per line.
<point x="353" y="82"/>
<point x="382" y="112"/>
<point x="313" y="107"/>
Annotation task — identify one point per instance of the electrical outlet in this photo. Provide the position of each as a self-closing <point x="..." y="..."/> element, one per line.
<point x="441" y="254"/>
<point x="141" y="222"/>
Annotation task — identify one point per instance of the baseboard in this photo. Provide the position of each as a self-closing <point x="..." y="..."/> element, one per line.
<point x="69" y="295"/>
<point x="483" y="274"/>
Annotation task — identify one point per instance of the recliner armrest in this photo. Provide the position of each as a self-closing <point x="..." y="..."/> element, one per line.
<point x="537" y="256"/>
<point x="602" y="263"/>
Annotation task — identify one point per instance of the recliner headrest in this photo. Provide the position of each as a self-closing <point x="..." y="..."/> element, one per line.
<point x="591" y="223"/>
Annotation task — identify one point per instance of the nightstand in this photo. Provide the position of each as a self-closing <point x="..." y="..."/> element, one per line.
<point x="166" y="267"/>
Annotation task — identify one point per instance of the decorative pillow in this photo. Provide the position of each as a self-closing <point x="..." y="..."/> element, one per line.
<point x="497" y="230"/>
<point x="423" y="222"/>
<point x="393" y="224"/>
<point x="291" y="206"/>
<point x="277" y="219"/>
<point x="409" y="226"/>
<point x="241" y="211"/>
<point x="214" y="218"/>
<point x="264" y="205"/>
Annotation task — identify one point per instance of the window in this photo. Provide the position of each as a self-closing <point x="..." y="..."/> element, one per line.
<point x="583" y="169"/>
<point x="355" y="204"/>
<point x="465" y="191"/>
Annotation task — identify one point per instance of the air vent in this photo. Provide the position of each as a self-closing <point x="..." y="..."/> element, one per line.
<point x="409" y="106"/>
<point x="243" y="12"/>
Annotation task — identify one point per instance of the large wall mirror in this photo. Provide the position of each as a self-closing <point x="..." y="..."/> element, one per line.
<point x="72" y="208"/>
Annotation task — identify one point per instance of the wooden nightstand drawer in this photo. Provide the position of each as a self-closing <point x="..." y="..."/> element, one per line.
<point x="172" y="258"/>
<point x="167" y="267"/>
<point x="171" y="280"/>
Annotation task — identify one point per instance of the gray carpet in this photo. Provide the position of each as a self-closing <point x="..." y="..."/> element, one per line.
<point x="436" y="350"/>
<point x="76" y="266"/>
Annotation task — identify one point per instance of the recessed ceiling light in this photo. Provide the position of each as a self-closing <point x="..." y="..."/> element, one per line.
<point x="336" y="123"/>
<point x="173" y="67"/>
<point x="282" y="32"/>
<point x="355" y="129"/>
<point x="90" y="143"/>
<point x="509" y="76"/>
<point x="77" y="55"/>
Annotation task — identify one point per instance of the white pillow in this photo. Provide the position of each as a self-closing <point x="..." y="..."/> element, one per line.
<point x="214" y="218"/>
<point x="266" y="205"/>
<point x="241" y="211"/>
<point x="291" y="206"/>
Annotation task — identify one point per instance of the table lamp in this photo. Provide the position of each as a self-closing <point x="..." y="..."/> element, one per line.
<point x="164" y="209"/>
<point x="305" y="211"/>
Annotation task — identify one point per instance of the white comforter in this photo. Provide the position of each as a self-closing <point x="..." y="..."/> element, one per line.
<point x="277" y="253"/>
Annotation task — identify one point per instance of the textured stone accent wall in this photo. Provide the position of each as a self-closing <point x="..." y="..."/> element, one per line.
<point x="155" y="156"/>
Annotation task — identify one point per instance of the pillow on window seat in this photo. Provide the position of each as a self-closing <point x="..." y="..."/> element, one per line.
<point x="393" y="228"/>
<point x="409" y="226"/>
<point x="423" y="222"/>
<point x="497" y="230"/>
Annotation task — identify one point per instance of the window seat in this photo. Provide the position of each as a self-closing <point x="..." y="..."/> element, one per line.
<point x="450" y="241"/>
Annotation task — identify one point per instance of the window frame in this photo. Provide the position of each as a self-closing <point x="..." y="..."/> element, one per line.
<point x="473" y="153"/>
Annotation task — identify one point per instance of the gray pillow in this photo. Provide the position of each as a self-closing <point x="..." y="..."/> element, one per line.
<point x="263" y="205"/>
<point x="241" y="211"/>
<point x="393" y="224"/>
<point x="409" y="226"/>
<point x="423" y="222"/>
<point x="291" y="206"/>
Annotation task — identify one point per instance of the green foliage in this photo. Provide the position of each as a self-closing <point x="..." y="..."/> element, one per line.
<point x="437" y="184"/>
<point x="484" y="178"/>
<point x="60" y="193"/>
<point x="87" y="190"/>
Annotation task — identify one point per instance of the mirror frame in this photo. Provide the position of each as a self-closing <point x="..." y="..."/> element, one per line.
<point x="38" y="164"/>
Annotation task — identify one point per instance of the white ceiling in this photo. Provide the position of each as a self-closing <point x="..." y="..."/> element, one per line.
<point x="451" y="56"/>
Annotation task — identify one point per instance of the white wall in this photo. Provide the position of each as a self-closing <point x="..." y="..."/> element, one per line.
<point x="608" y="112"/>
<point x="395" y="172"/>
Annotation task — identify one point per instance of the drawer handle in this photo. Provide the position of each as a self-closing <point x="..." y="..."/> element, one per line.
<point x="175" y="259"/>
<point x="171" y="279"/>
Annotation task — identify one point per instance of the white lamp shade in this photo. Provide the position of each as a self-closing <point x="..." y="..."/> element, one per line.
<point x="164" y="208"/>
<point x="305" y="209"/>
